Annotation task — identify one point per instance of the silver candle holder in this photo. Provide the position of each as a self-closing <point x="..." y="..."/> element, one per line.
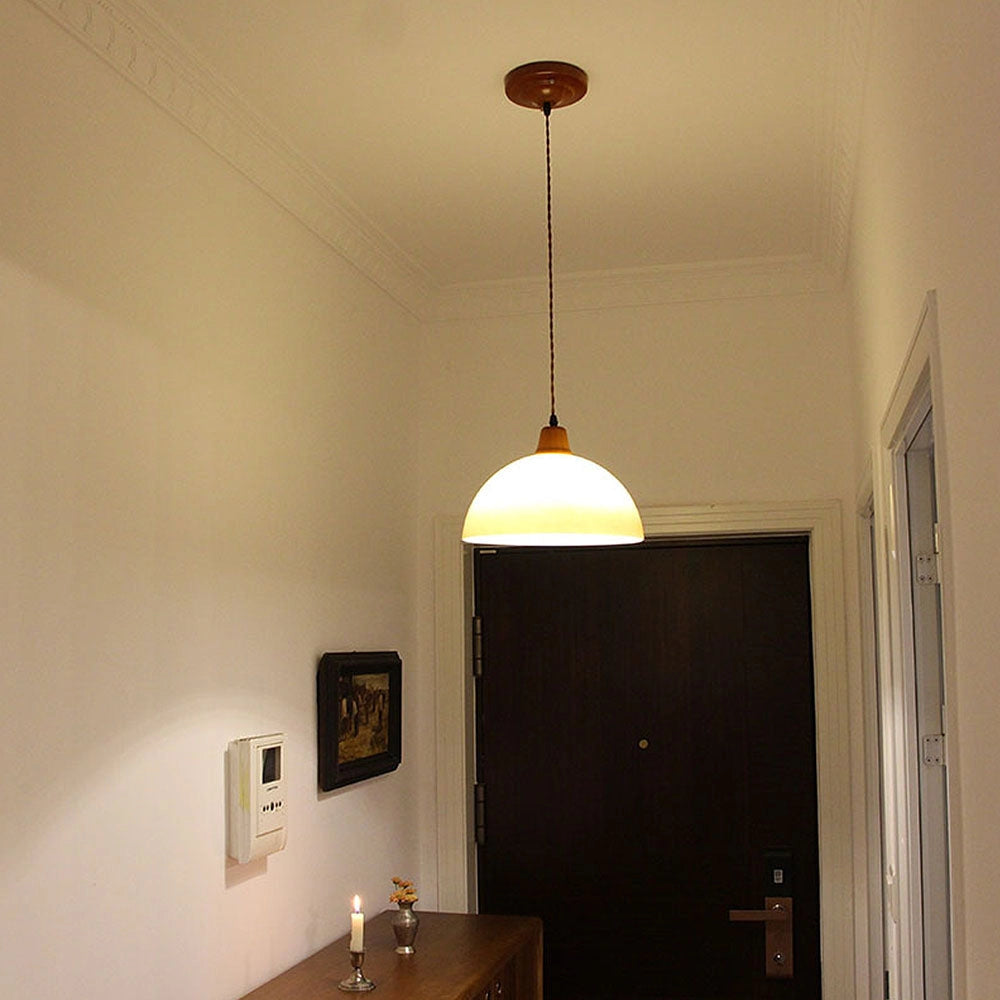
<point x="356" y="981"/>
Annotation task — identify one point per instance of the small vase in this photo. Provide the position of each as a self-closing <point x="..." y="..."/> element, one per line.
<point x="404" y="925"/>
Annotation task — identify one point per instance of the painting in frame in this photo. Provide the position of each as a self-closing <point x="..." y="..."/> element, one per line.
<point x="359" y="709"/>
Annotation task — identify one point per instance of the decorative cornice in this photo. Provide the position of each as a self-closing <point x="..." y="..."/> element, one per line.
<point x="849" y="46"/>
<point x="646" y="286"/>
<point x="145" y="51"/>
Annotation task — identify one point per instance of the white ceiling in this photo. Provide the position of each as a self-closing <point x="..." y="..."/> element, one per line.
<point x="712" y="154"/>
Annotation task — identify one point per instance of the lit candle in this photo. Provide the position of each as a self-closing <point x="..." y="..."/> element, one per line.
<point x="357" y="927"/>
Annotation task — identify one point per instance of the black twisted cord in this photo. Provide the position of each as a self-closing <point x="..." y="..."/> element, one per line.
<point x="553" y="419"/>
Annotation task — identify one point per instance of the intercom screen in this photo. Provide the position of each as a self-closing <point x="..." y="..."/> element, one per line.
<point x="271" y="765"/>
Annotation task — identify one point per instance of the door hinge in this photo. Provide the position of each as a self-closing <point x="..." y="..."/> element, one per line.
<point x="934" y="750"/>
<point x="477" y="646"/>
<point x="886" y="984"/>
<point x="480" y="799"/>
<point x="927" y="568"/>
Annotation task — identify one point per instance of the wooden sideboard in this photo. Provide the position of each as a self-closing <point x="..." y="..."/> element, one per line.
<point x="458" y="956"/>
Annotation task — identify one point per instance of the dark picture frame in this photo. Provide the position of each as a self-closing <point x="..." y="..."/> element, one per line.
<point x="359" y="716"/>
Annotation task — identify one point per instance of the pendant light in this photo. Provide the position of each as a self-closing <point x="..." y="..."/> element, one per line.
<point x="551" y="497"/>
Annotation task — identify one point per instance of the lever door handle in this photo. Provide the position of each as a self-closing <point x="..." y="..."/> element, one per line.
<point x="778" y="937"/>
<point x="777" y="912"/>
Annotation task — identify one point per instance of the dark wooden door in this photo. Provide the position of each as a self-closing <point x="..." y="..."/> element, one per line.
<point x="646" y="745"/>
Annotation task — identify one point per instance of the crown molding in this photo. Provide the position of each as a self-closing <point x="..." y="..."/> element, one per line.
<point x="638" y="287"/>
<point x="144" y="50"/>
<point x="850" y="38"/>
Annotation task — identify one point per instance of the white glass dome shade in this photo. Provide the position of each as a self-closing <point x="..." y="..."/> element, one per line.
<point x="552" y="497"/>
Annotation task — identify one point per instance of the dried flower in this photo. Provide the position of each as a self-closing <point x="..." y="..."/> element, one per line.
<point x="404" y="892"/>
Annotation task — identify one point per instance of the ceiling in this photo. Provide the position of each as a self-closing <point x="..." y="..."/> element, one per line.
<point x="711" y="156"/>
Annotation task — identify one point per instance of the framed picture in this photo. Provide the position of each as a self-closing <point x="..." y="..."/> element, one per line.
<point x="359" y="708"/>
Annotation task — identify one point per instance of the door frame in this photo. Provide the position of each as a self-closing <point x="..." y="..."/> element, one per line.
<point x="840" y="792"/>
<point x="870" y="926"/>
<point x="917" y="391"/>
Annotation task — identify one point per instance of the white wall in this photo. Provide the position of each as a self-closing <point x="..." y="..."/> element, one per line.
<point x="206" y="480"/>
<point x="697" y="402"/>
<point x="927" y="216"/>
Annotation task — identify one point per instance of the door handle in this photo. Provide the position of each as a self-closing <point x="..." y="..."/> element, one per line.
<point x="777" y="919"/>
<point x="776" y="913"/>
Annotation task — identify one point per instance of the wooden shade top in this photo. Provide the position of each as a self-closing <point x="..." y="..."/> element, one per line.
<point x="553" y="439"/>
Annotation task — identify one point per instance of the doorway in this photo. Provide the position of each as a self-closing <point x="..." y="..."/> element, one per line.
<point x="646" y="762"/>
<point x="929" y="707"/>
<point x="912" y="679"/>
<point x="843" y="886"/>
<point x="914" y="719"/>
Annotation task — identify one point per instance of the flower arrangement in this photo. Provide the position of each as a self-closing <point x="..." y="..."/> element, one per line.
<point x="404" y="891"/>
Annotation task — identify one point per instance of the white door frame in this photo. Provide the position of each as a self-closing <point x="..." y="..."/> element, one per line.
<point x="915" y="394"/>
<point x="871" y="937"/>
<point x="840" y="793"/>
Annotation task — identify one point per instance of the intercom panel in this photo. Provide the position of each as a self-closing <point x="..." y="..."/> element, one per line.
<point x="257" y="808"/>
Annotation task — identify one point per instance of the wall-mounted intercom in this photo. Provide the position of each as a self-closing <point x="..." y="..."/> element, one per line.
<point x="257" y="813"/>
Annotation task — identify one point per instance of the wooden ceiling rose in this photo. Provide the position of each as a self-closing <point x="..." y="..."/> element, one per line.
<point x="557" y="84"/>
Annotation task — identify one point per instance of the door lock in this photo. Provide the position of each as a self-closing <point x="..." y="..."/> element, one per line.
<point x="777" y="919"/>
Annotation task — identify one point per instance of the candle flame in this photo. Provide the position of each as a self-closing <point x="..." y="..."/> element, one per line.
<point x="357" y="904"/>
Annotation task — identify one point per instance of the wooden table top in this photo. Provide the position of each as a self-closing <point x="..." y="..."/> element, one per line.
<point x="453" y="953"/>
